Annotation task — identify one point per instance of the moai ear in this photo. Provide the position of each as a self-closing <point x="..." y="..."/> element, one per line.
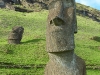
<point x="75" y="25"/>
<point x="71" y="16"/>
<point x="70" y="12"/>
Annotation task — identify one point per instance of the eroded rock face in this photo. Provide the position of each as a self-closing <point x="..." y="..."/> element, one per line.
<point x="15" y="35"/>
<point x="62" y="24"/>
<point x="36" y="5"/>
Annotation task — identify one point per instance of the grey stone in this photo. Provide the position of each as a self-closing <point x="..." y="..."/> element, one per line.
<point x="15" y="35"/>
<point x="62" y="24"/>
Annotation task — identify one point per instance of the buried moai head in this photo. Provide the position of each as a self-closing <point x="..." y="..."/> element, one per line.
<point x="15" y="35"/>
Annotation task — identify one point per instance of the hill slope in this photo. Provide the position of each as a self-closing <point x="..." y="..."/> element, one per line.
<point x="31" y="52"/>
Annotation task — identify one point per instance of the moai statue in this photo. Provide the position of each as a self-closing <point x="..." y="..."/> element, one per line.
<point x="15" y="35"/>
<point x="60" y="45"/>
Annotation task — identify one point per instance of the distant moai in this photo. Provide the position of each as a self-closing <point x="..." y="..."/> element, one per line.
<point x="62" y="24"/>
<point x="15" y="35"/>
<point x="2" y="4"/>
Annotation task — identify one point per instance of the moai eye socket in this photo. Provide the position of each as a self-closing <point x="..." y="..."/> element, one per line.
<point x="58" y="21"/>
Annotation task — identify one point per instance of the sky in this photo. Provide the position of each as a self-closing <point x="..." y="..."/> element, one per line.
<point x="92" y="3"/>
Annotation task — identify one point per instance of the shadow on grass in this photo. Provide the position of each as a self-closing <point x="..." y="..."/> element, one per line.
<point x="96" y="38"/>
<point x="33" y="40"/>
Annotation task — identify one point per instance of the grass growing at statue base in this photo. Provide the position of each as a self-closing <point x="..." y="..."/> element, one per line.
<point x="36" y="72"/>
<point x="32" y="49"/>
<point x="21" y="71"/>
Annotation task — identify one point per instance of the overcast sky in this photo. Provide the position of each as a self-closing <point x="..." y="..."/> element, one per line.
<point x="92" y="3"/>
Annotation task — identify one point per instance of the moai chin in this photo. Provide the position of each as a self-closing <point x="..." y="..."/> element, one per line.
<point x="61" y="27"/>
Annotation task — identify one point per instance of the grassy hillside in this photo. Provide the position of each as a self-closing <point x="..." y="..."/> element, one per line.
<point x="88" y="40"/>
<point x="24" y="58"/>
<point x="90" y="9"/>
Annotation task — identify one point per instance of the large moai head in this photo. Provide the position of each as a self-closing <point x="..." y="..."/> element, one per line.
<point x="15" y="35"/>
<point x="61" y="25"/>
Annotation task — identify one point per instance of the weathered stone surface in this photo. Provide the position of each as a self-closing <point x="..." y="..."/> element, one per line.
<point x="65" y="63"/>
<point x="15" y="35"/>
<point x="36" y="5"/>
<point x="62" y="24"/>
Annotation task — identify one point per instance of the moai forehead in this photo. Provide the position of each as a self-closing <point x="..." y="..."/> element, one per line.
<point x="66" y="3"/>
<point x="60" y="8"/>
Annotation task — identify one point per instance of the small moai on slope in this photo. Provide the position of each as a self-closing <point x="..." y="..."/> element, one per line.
<point x="62" y="25"/>
<point x="15" y="35"/>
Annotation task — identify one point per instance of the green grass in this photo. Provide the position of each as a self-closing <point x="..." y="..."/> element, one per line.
<point x="35" y="72"/>
<point x="86" y="45"/>
<point x="32" y="48"/>
<point x="33" y="41"/>
<point x="21" y="71"/>
<point x="93" y="72"/>
<point x="90" y="9"/>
